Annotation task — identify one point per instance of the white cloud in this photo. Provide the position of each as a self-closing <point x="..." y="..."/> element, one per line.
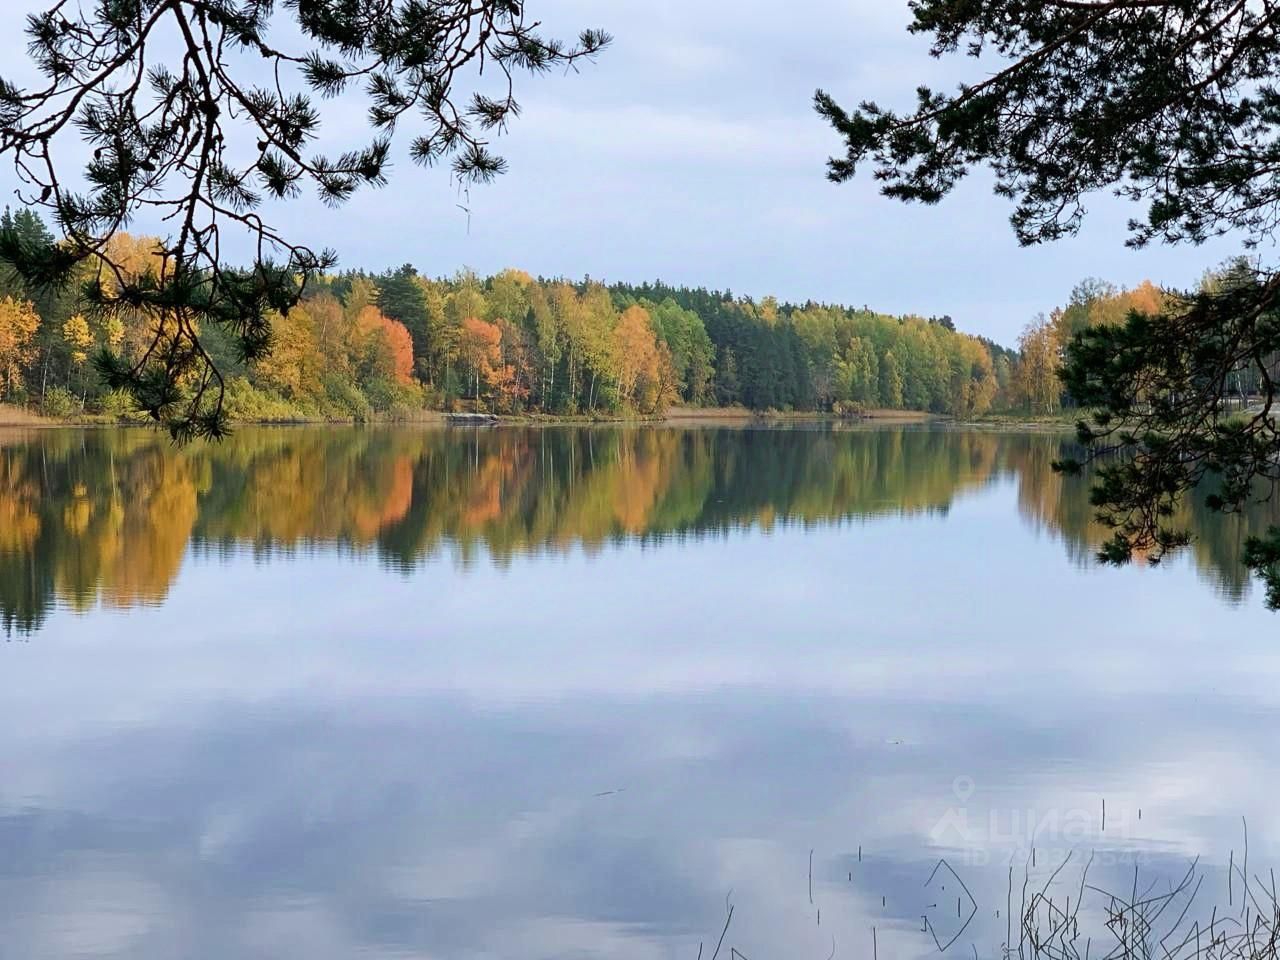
<point x="690" y="150"/>
<point x="655" y="136"/>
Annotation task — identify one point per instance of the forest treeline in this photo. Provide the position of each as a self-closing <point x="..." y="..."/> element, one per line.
<point x="1094" y="303"/>
<point x="363" y="344"/>
<point x="111" y="516"/>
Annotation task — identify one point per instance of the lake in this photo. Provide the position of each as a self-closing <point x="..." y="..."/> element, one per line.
<point x="578" y="692"/>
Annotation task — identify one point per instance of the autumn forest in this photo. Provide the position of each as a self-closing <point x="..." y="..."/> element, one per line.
<point x="366" y="345"/>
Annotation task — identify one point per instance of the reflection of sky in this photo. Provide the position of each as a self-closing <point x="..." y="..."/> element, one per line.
<point x="571" y="756"/>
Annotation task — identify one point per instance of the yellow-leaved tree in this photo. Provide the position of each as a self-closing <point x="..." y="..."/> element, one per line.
<point x="1037" y="383"/>
<point x="79" y="340"/>
<point x="18" y="325"/>
<point x="294" y="364"/>
<point x="647" y="379"/>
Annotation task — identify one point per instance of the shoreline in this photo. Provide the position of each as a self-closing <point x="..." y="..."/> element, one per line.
<point x="18" y="418"/>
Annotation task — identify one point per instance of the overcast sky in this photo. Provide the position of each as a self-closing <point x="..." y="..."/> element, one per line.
<point x="690" y="152"/>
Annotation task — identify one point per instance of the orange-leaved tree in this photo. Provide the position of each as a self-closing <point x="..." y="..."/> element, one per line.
<point x="480" y="347"/>
<point x="646" y="376"/>
<point x="382" y="347"/>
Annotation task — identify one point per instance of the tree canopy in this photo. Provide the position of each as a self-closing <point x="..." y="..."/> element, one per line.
<point x="359" y="345"/>
<point x="198" y="111"/>
<point x="1172" y="104"/>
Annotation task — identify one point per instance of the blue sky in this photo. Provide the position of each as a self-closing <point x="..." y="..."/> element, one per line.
<point x="690" y="152"/>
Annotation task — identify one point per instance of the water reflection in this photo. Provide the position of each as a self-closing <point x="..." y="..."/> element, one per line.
<point x="108" y="516"/>
<point x="438" y="827"/>
<point x="261" y="721"/>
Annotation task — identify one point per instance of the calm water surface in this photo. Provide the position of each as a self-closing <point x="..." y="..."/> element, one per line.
<point x="574" y="692"/>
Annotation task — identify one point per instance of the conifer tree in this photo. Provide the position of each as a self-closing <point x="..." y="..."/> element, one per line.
<point x="195" y="137"/>
<point x="1173" y="105"/>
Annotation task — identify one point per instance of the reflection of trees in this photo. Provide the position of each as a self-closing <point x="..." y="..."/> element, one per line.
<point x="107" y="516"/>
<point x="1048" y="500"/>
<point x="86" y="518"/>
<point x="1061" y="505"/>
